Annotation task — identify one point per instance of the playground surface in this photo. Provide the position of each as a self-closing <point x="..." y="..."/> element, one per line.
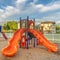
<point x="38" y="53"/>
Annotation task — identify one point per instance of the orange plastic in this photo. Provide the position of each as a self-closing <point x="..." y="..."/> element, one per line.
<point x="40" y="37"/>
<point x="30" y="22"/>
<point x="23" y="41"/>
<point x="12" y="47"/>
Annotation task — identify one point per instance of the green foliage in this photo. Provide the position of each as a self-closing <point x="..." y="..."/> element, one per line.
<point x="4" y="27"/>
<point x="11" y="25"/>
<point x="57" y="29"/>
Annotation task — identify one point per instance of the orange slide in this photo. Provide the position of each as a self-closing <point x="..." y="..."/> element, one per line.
<point x="12" y="47"/>
<point x="51" y="47"/>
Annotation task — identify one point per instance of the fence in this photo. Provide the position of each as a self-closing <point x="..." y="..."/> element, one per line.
<point x="51" y="37"/>
<point x="9" y="35"/>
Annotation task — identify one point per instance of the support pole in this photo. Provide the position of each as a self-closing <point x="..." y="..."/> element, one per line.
<point x="34" y="23"/>
<point x="20" y="23"/>
<point x="34" y="37"/>
<point x="20" y="28"/>
<point x="27" y="32"/>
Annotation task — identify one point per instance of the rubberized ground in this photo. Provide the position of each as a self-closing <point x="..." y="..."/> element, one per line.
<point x="38" y="53"/>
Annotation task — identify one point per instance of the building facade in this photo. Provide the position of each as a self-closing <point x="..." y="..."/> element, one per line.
<point x="48" y="27"/>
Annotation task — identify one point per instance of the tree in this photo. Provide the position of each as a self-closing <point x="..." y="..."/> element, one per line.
<point x="11" y="25"/>
<point x="57" y="29"/>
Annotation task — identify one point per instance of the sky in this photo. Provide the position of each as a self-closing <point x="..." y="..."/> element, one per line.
<point x="42" y="10"/>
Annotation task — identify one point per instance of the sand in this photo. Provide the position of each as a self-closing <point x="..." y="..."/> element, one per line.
<point x="38" y="53"/>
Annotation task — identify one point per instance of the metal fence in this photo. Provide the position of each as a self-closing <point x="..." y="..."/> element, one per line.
<point x="50" y="37"/>
<point x="9" y="35"/>
<point x="53" y="37"/>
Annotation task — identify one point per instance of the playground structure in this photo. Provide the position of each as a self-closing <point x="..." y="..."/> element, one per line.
<point x="12" y="47"/>
<point x="29" y="24"/>
<point x="3" y="34"/>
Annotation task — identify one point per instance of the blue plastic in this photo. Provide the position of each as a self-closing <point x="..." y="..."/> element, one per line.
<point x="0" y="28"/>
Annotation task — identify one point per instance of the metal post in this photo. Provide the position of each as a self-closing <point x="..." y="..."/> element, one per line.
<point x="20" y="28"/>
<point x="27" y="32"/>
<point x="34" y="23"/>
<point x="34" y="28"/>
<point x="20" y="23"/>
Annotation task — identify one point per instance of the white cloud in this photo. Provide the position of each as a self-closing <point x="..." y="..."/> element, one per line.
<point x="50" y="8"/>
<point x="45" y="8"/>
<point x="31" y="9"/>
<point x="52" y="17"/>
<point x="20" y="8"/>
<point x="20" y="1"/>
<point x="1" y="11"/>
<point x="39" y="6"/>
<point x="42" y="8"/>
<point x="9" y="10"/>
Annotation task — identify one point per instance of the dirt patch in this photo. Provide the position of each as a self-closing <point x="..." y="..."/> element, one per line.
<point x="38" y="53"/>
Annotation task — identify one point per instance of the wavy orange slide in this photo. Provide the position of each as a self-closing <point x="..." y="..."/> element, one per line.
<point x="12" y="46"/>
<point x="51" y="47"/>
